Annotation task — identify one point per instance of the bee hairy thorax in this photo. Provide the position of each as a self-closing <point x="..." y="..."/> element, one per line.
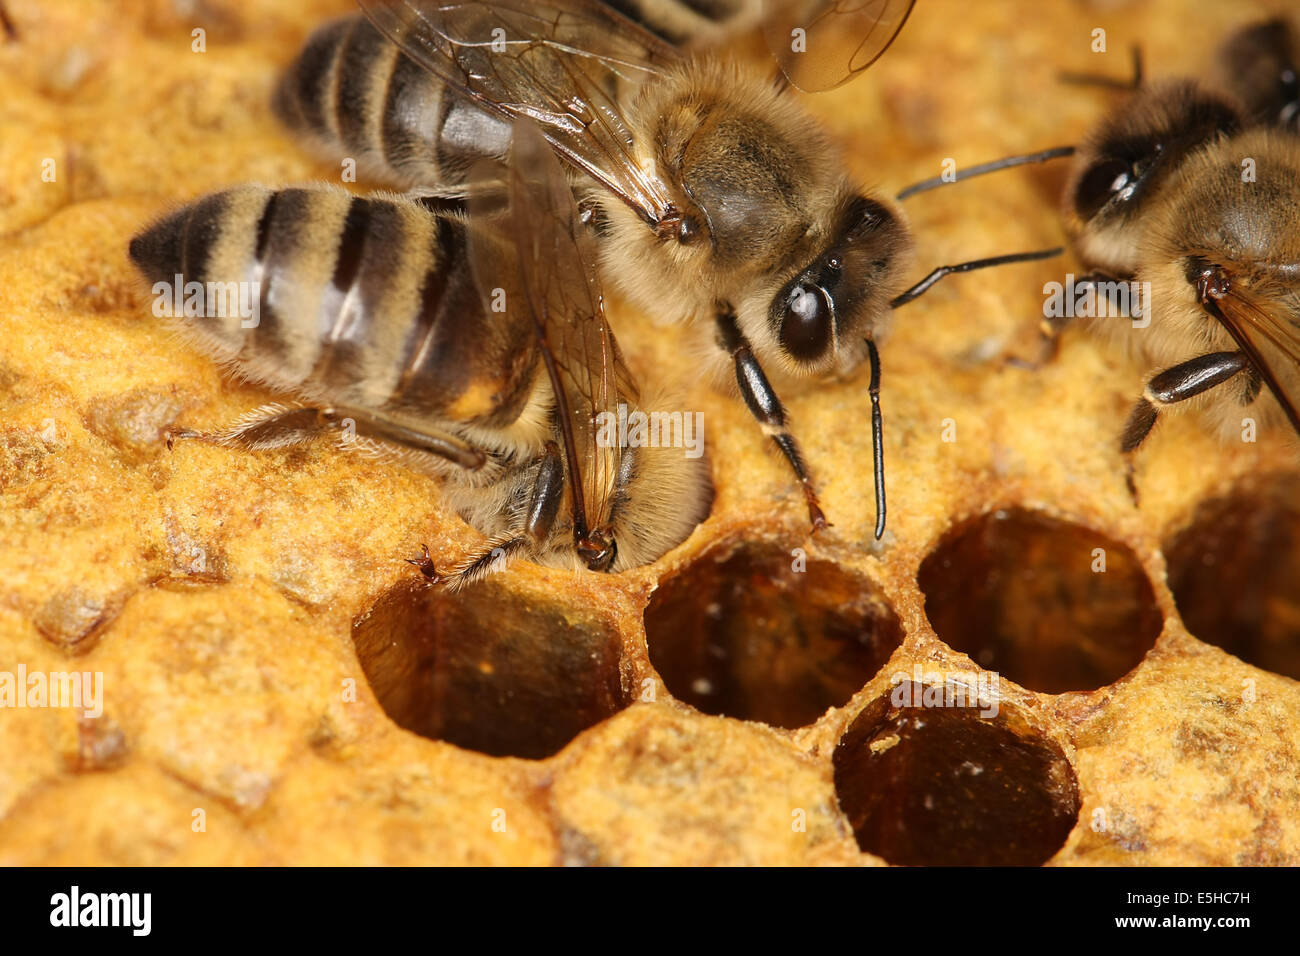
<point x="1215" y="216"/>
<point x="1123" y="167"/>
<point x="365" y="302"/>
<point x="755" y="177"/>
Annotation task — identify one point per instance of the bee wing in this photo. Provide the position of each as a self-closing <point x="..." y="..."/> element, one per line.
<point x="562" y="63"/>
<point x="1267" y="340"/>
<point x="554" y="278"/>
<point x="839" y="38"/>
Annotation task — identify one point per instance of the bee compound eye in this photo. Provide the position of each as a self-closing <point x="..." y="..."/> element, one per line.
<point x="1103" y="181"/>
<point x="806" y="324"/>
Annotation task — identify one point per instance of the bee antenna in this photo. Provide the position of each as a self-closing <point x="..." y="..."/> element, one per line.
<point x="877" y="436"/>
<point x="921" y="287"/>
<point x="1025" y="159"/>
<point x="1109" y="82"/>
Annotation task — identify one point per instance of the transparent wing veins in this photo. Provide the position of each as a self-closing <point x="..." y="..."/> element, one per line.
<point x="561" y="63"/>
<point x="836" y="39"/>
<point x="1248" y="322"/>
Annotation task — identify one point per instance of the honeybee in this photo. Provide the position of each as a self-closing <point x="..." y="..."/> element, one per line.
<point x="1196" y="191"/>
<point x="1189" y="189"/>
<point x="715" y="196"/>
<point x="380" y="317"/>
<point x="1260" y="66"/>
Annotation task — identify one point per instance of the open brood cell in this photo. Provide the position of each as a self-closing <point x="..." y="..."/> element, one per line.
<point x="1037" y="620"/>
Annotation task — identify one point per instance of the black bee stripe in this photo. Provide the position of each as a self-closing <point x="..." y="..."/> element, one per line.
<point x="339" y="356"/>
<point x="367" y="272"/>
<point x="312" y="74"/>
<point x="717" y="10"/>
<point x="448" y="249"/>
<point x="158" y="252"/>
<point x="261" y="253"/>
<point x="443" y="204"/>
<point x="202" y="228"/>
<point x="363" y="47"/>
<point x="350" y="78"/>
<point x="448" y="240"/>
<point x="407" y="130"/>
<point x="351" y="244"/>
<point x="278" y="241"/>
<point x="264" y="228"/>
<point x="351" y="307"/>
<point x="382" y="271"/>
<point x="647" y="14"/>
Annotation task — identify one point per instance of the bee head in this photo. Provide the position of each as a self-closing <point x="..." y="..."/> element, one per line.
<point x="1260" y="64"/>
<point x="821" y="315"/>
<point x="1123" y="164"/>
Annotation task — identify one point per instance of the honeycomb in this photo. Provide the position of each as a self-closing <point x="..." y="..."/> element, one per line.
<point x="279" y="688"/>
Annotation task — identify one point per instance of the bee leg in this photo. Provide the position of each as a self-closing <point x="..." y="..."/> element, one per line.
<point x="384" y="431"/>
<point x="543" y="506"/>
<point x="281" y="426"/>
<point x="1053" y="326"/>
<point x="877" y="437"/>
<point x="766" y="407"/>
<point x="426" y="566"/>
<point x="271" y="426"/>
<point x="1173" y="385"/>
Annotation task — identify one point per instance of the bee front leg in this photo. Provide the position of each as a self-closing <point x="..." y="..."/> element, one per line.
<point x="497" y="555"/>
<point x="1177" y="384"/>
<point x="765" y="406"/>
<point x="1173" y="385"/>
<point x="1053" y="326"/>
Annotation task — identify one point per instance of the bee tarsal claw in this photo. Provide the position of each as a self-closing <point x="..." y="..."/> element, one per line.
<point x="425" y="563"/>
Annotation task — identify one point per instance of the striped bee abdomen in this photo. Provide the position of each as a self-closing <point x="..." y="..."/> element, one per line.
<point x="354" y="92"/>
<point x="342" y="300"/>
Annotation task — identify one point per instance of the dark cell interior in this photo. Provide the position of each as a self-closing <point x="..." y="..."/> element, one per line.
<point x="488" y="670"/>
<point x="1235" y="573"/>
<point x="746" y="635"/>
<point x="943" y="786"/>
<point x="1022" y="594"/>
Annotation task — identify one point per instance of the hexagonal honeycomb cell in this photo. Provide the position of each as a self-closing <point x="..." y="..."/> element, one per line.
<point x="1052" y="605"/>
<point x="952" y="786"/>
<point x="1233" y="568"/>
<point x="490" y="670"/>
<point x="1030" y="667"/>
<point x="767" y="635"/>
